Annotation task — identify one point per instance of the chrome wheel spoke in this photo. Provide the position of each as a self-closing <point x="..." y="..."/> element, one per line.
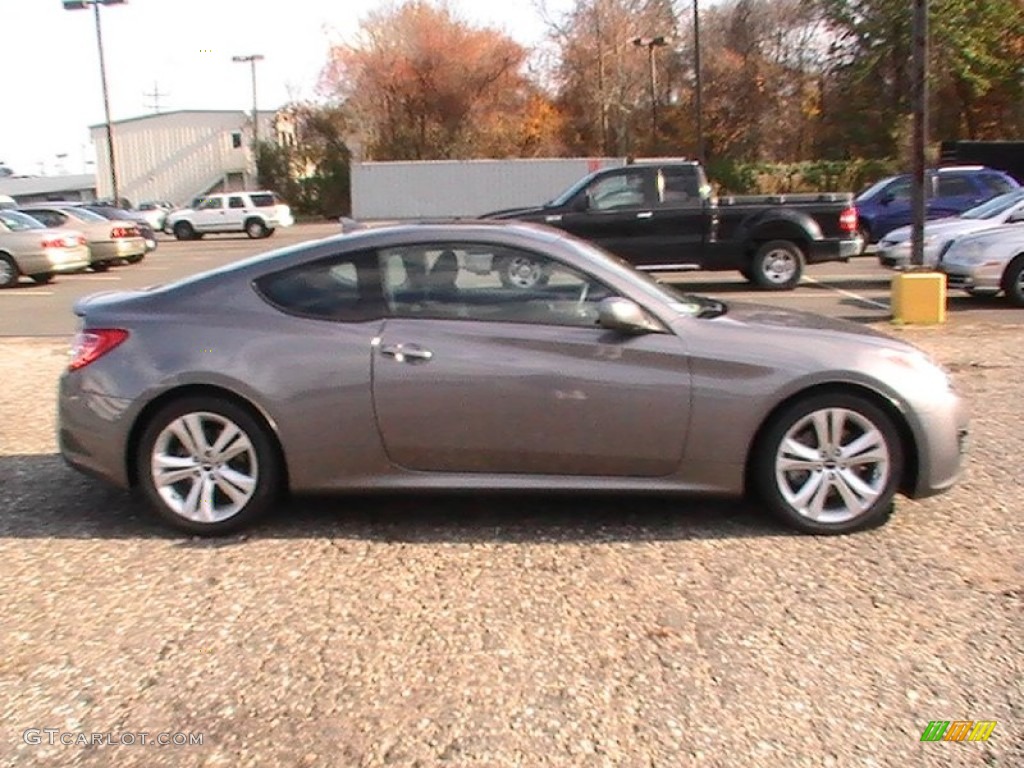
<point x="786" y="464"/>
<point x="822" y="428"/>
<point x="190" y="504"/>
<point x="860" y="448"/>
<point x="799" y="451"/>
<point x="227" y="434"/>
<point x="810" y="487"/>
<point x="206" y="500"/>
<point x="241" y="483"/>
<point x="817" y="504"/>
<point x="173" y="476"/>
<point x="857" y="486"/>
<point x="854" y="500"/>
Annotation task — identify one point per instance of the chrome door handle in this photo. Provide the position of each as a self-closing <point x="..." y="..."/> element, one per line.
<point x="553" y="217"/>
<point x="403" y="354"/>
<point x="645" y="214"/>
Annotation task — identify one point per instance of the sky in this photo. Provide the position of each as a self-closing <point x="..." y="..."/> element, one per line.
<point x="182" y="49"/>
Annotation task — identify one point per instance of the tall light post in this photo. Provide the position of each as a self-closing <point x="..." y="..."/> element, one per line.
<point x="78" y="5"/>
<point x="699" y="84"/>
<point x="251" y="59"/>
<point x="920" y="68"/>
<point x="650" y="43"/>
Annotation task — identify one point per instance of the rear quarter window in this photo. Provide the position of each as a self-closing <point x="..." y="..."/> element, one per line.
<point x="345" y="289"/>
<point x="263" y="200"/>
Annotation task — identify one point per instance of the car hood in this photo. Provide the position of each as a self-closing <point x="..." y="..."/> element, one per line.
<point x="768" y="320"/>
<point x="1011" y="235"/>
<point x="512" y="213"/>
<point x="951" y="227"/>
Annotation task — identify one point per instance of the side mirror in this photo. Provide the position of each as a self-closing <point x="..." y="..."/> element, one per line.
<point x="1015" y="218"/>
<point x="625" y="316"/>
<point x="580" y="204"/>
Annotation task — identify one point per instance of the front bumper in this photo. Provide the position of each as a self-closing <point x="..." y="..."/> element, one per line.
<point x="942" y="444"/>
<point x="898" y="255"/>
<point x="982" y="278"/>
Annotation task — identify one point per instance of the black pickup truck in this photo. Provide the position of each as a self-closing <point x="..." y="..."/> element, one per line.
<point x="661" y="217"/>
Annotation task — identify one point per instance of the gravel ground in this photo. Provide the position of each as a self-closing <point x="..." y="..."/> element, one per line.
<point x="468" y="631"/>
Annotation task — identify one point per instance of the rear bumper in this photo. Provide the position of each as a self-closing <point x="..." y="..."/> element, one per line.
<point x="56" y="260"/>
<point x="90" y="432"/>
<point x="121" y="248"/>
<point x="834" y="249"/>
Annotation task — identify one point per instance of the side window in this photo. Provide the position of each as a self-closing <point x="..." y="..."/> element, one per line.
<point x="627" y="189"/>
<point x="342" y="288"/>
<point x="211" y="203"/>
<point x="900" y="189"/>
<point x="487" y="283"/>
<point x="955" y="186"/>
<point x="679" y="187"/>
<point x="49" y="218"/>
<point x="236" y="202"/>
<point x="262" y="200"/>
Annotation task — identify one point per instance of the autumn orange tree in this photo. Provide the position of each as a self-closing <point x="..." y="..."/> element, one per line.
<point x="419" y="83"/>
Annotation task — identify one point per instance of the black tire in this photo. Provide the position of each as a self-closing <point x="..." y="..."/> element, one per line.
<point x="135" y="259"/>
<point x="184" y="231"/>
<point x="258" y="462"/>
<point x="777" y="265"/>
<point x="1013" y="281"/>
<point x="521" y="272"/>
<point x="255" y="229"/>
<point x="42" y="278"/>
<point x="861" y="415"/>
<point x="100" y="266"/>
<point x="9" y="272"/>
<point x="865" y="234"/>
<point x="271" y="231"/>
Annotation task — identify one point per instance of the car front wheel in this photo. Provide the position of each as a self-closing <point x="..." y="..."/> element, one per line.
<point x="829" y="464"/>
<point x="1013" y="281"/>
<point x="184" y="231"/>
<point x="207" y="466"/>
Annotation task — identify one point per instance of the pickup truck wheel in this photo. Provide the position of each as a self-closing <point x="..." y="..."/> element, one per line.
<point x="184" y="231"/>
<point x="255" y="229"/>
<point x="777" y="265"/>
<point x="1013" y="281"/>
<point x="521" y="272"/>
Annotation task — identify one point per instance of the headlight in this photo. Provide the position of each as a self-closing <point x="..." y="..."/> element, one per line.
<point x="966" y="253"/>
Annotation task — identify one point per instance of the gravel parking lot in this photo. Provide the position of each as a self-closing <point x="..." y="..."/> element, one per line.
<point x="514" y="631"/>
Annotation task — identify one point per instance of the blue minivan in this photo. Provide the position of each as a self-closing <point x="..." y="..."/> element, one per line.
<point x="886" y="205"/>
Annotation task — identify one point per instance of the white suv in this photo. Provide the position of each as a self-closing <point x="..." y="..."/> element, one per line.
<point x="257" y="214"/>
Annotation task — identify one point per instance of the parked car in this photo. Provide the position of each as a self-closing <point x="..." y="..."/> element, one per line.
<point x="894" y="250"/>
<point x="7" y="202"/>
<point x="114" y="213"/>
<point x="29" y="248"/>
<point x="257" y="214"/>
<point x="155" y="213"/>
<point x="987" y="263"/>
<point x="373" y="362"/>
<point x="109" y="241"/>
<point x="659" y="215"/>
<point x="886" y="205"/>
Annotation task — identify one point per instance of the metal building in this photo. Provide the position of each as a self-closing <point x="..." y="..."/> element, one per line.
<point x="179" y="155"/>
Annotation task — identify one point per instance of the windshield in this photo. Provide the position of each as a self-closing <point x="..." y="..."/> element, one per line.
<point x="873" y="190"/>
<point x="19" y="222"/>
<point x="82" y="214"/>
<point x="995" y="206"/>
<point x="572" y="191"/>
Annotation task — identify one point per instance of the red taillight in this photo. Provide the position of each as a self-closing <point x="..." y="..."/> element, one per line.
<point x="848" y="220"/>
<point x="93" y="344"/>
<point x="55" y="242"/>
<point x="124" y="232"/>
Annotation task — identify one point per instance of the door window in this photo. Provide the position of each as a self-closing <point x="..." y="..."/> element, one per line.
<point x="955" y="186"/>
<point x="900" y="190"/>
<point x="627" y="189"/>
<point x="236" y="202"/>
<point x="211" y="204"/>
<point x="516" y="286"/>
<point x="50" y="218"/>
<point x="343" y="288"/>
<point x="679" y="187"/>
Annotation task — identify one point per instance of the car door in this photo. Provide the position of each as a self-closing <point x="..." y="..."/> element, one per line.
<point x="895" y="206"/>
<point x="209" y="215"/>
<point x="236" y="213"/>
<point x="615" y="211"/>
<point x="679" y="227"/>
<point x="471" y="375"/>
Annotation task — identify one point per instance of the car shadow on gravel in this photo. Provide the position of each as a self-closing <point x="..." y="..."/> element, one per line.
<point x="40" y="497"/>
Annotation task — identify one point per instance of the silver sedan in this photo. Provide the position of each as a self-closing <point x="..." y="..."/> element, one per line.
<point x="376" y="361"/>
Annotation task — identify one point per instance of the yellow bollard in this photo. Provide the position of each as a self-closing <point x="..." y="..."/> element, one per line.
<point x="919" y="297"/>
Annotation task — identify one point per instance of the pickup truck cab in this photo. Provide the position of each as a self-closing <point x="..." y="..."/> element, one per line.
<point x="661" y="217"/>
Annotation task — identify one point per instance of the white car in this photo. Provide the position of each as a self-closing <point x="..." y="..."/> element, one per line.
<point x="985" y="263"/>
<point x="894" y="250"/>
<point x="257" y="214"/>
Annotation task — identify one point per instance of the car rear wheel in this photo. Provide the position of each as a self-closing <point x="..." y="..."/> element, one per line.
<point x="1013" y="281"/>
<point x="100" y="266"/>
<point x="8" y="271"/>
<point x="255" y="229"/>
<point x="829" y="464"/>
<point x="42" y="278"/>
<point x="184" y="231"/>
<point x="135" y="259"/>
<point x="777" y="265"/>
<point x="207" y="466"/>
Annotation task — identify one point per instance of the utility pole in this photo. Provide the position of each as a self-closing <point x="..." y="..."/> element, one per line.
<point x="920" y="70"/>
<point x="155" y="95"/>
<point x="251" y="59"/>
<point x="699" y="89"/>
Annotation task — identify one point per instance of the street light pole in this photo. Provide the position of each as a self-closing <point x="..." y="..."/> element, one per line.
<point x="919" y="193"/>
<point x="251" y="59"/>
<point x="650" y="43"/>
<point x="76" y="5"/>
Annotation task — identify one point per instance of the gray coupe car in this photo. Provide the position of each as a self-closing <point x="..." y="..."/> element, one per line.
<point x="396" y="359"/>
